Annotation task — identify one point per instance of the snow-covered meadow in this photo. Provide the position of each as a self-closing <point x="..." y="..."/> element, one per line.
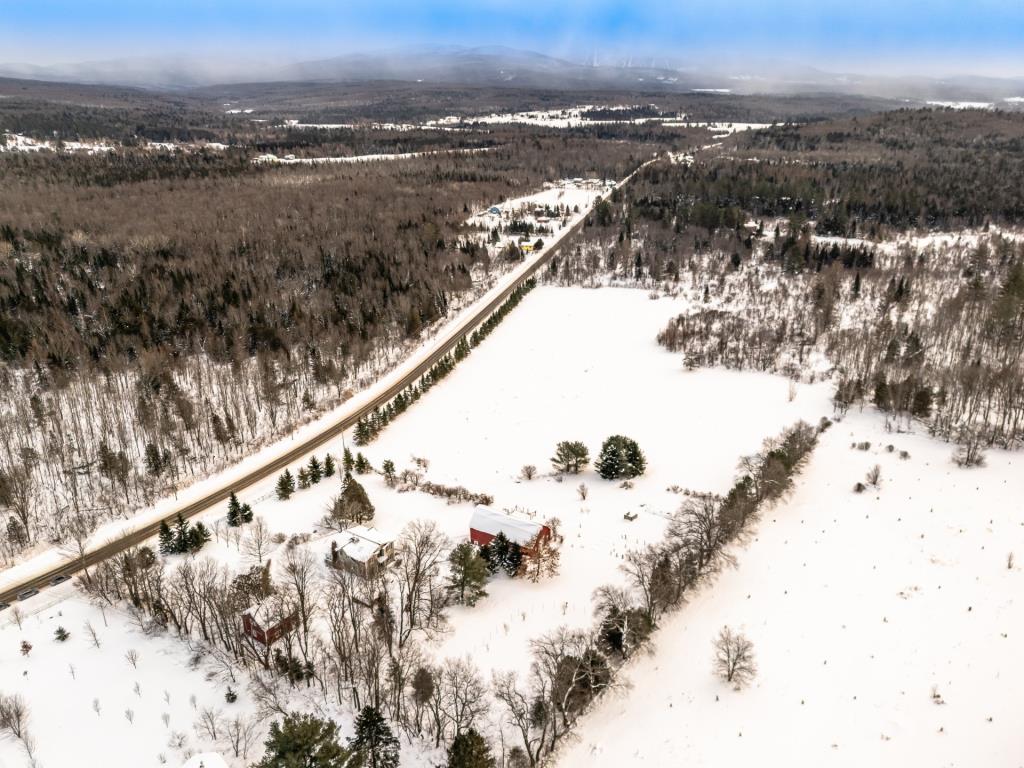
<point x="567" y="364"/>
<point x="886" y="625"/>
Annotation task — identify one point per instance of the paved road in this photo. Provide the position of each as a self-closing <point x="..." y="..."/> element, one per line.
<point x="445" y="344"/>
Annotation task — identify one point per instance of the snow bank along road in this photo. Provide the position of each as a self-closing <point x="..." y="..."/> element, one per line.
<point x="346" y="416"/>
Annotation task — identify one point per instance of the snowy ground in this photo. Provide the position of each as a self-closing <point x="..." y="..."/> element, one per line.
<point x="567" y="364"/>
<point x="581" y="195"/>
<point x="862" y="609"/>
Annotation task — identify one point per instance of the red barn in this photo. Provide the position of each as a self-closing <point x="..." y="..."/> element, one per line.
<point x="486" y="523"/>
<point x="264" y="626"/>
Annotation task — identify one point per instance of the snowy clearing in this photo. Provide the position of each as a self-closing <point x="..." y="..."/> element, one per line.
<point x="885" y="624"/>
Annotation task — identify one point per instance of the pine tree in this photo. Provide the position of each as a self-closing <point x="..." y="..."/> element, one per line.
<point x="196" y="537"/>
<point x="570" y="456"/>
<point x="620" y="457"/>
<point x="470" y="750"/>
<point x="285" y="486"/>
<point x="347" y="462"/>
<point x="388" y="468"/>
<point x="374" y="745"/>
<point x="468" y="574"/>
<point x="315" y="470"/>
<point x="513" y="559"/>
<point x="246" y="513"/>
<point x="352" y="505"/>
<point x="303" y="476"/>
<point x="361" y="435"/>
<point x="328" y="465"/>
<point x="167" y="545"/>
<point x="180" y="535"/>
<point x="303" y="740"/>
<point x="362" y="465"/>
<point x="234" y="511"/>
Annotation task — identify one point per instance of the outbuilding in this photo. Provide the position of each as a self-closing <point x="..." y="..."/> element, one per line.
<point x="265" y="625"/>
<point x="486" y="523"/>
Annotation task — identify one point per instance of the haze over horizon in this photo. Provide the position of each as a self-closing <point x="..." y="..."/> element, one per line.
<point x="919" y="38"/>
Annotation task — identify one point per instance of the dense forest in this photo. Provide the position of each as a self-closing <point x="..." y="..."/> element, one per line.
<point x="164" y="313"/>
<point x="812" y="249"/>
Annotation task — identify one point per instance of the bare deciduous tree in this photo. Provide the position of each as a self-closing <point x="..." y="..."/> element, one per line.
<point x="734" y="657"/>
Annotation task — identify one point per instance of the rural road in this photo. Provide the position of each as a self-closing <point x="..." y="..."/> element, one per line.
<point x="446" y="341"/>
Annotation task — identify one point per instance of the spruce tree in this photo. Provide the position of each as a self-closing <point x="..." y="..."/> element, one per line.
<point x="388" y="468"/>
<point x="303" y="478"/>
<point x="315" y="470"/>
<point x="234" y="511"/>
<point x="285" y="486"/>
<point x="246" y="513"/>
<point x="468" y="574"/>
<point x="167" y="546"/>
<point x="303" y="740"/>
<point x="180" y="535"/>
<point x="620" y="457"/>
<point x="352" y="506"/>
<point x="328" y="465"/>
<point x="347" y="462"/>
<point x="362" y="465"/>
<point x="374" y="745"/>
<point x="196" y="537"/>
<point x="513" y="559"/>
<point x="361" y="435"/>
<point x="470" y="750"/>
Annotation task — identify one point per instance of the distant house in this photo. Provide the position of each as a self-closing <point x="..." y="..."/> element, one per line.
<point x="264" y="626"/>
<point x="361" y="550"/>
<point x="486" y="523"/>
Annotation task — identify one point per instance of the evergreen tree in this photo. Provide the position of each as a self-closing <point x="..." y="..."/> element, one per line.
<point x="347" y="462"/>
<point x="180" y="535"/>
<point x="620" y="457"/>
<point x="513" y="559"/>
<point x="246" y="513"/>
<point x="196" y="537"/>
<point x="315" y="470"/>
<point x="328" y="465"/>
<point x="374" y="745"/>
<point x="352" y="506"/>
<point x="361" y="435"/>
<point x="468" y="574"/>
<point x="362" y="465"/>
<point x="303" y="741"/>
<point x="570" y="456"/>
<point x="167" y="544"/>
<point x="470" y="750"/>
<point x="234" y="511"/>
<point x="285" y="486"/>
<point x="388" y="468"/>
<point x="303" y="478"/>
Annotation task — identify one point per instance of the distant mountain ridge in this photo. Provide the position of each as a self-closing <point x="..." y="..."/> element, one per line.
<point x="504" y="66"/>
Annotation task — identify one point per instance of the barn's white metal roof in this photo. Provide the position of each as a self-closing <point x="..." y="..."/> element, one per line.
<point x="487" y="520"/>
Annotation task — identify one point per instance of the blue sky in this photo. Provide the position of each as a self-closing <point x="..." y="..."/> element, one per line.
<point x="934" y="37"/>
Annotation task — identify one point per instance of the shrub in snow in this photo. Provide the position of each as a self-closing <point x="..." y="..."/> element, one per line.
<point x="528" y="472"/>
<point x="26" y="647"/>
<point x="874" y="476"/>
<point x="859" y="488"/>
<point x="60" y="634"/>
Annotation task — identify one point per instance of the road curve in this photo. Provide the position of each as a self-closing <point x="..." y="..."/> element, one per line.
<point x="444" y="345"/>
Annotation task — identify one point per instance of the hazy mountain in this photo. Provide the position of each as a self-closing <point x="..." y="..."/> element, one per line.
<point x="498" y="65"/>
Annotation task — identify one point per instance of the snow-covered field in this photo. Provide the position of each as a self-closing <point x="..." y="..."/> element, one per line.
<point x="567" y="364"/>
<point x="887" y="626"/>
